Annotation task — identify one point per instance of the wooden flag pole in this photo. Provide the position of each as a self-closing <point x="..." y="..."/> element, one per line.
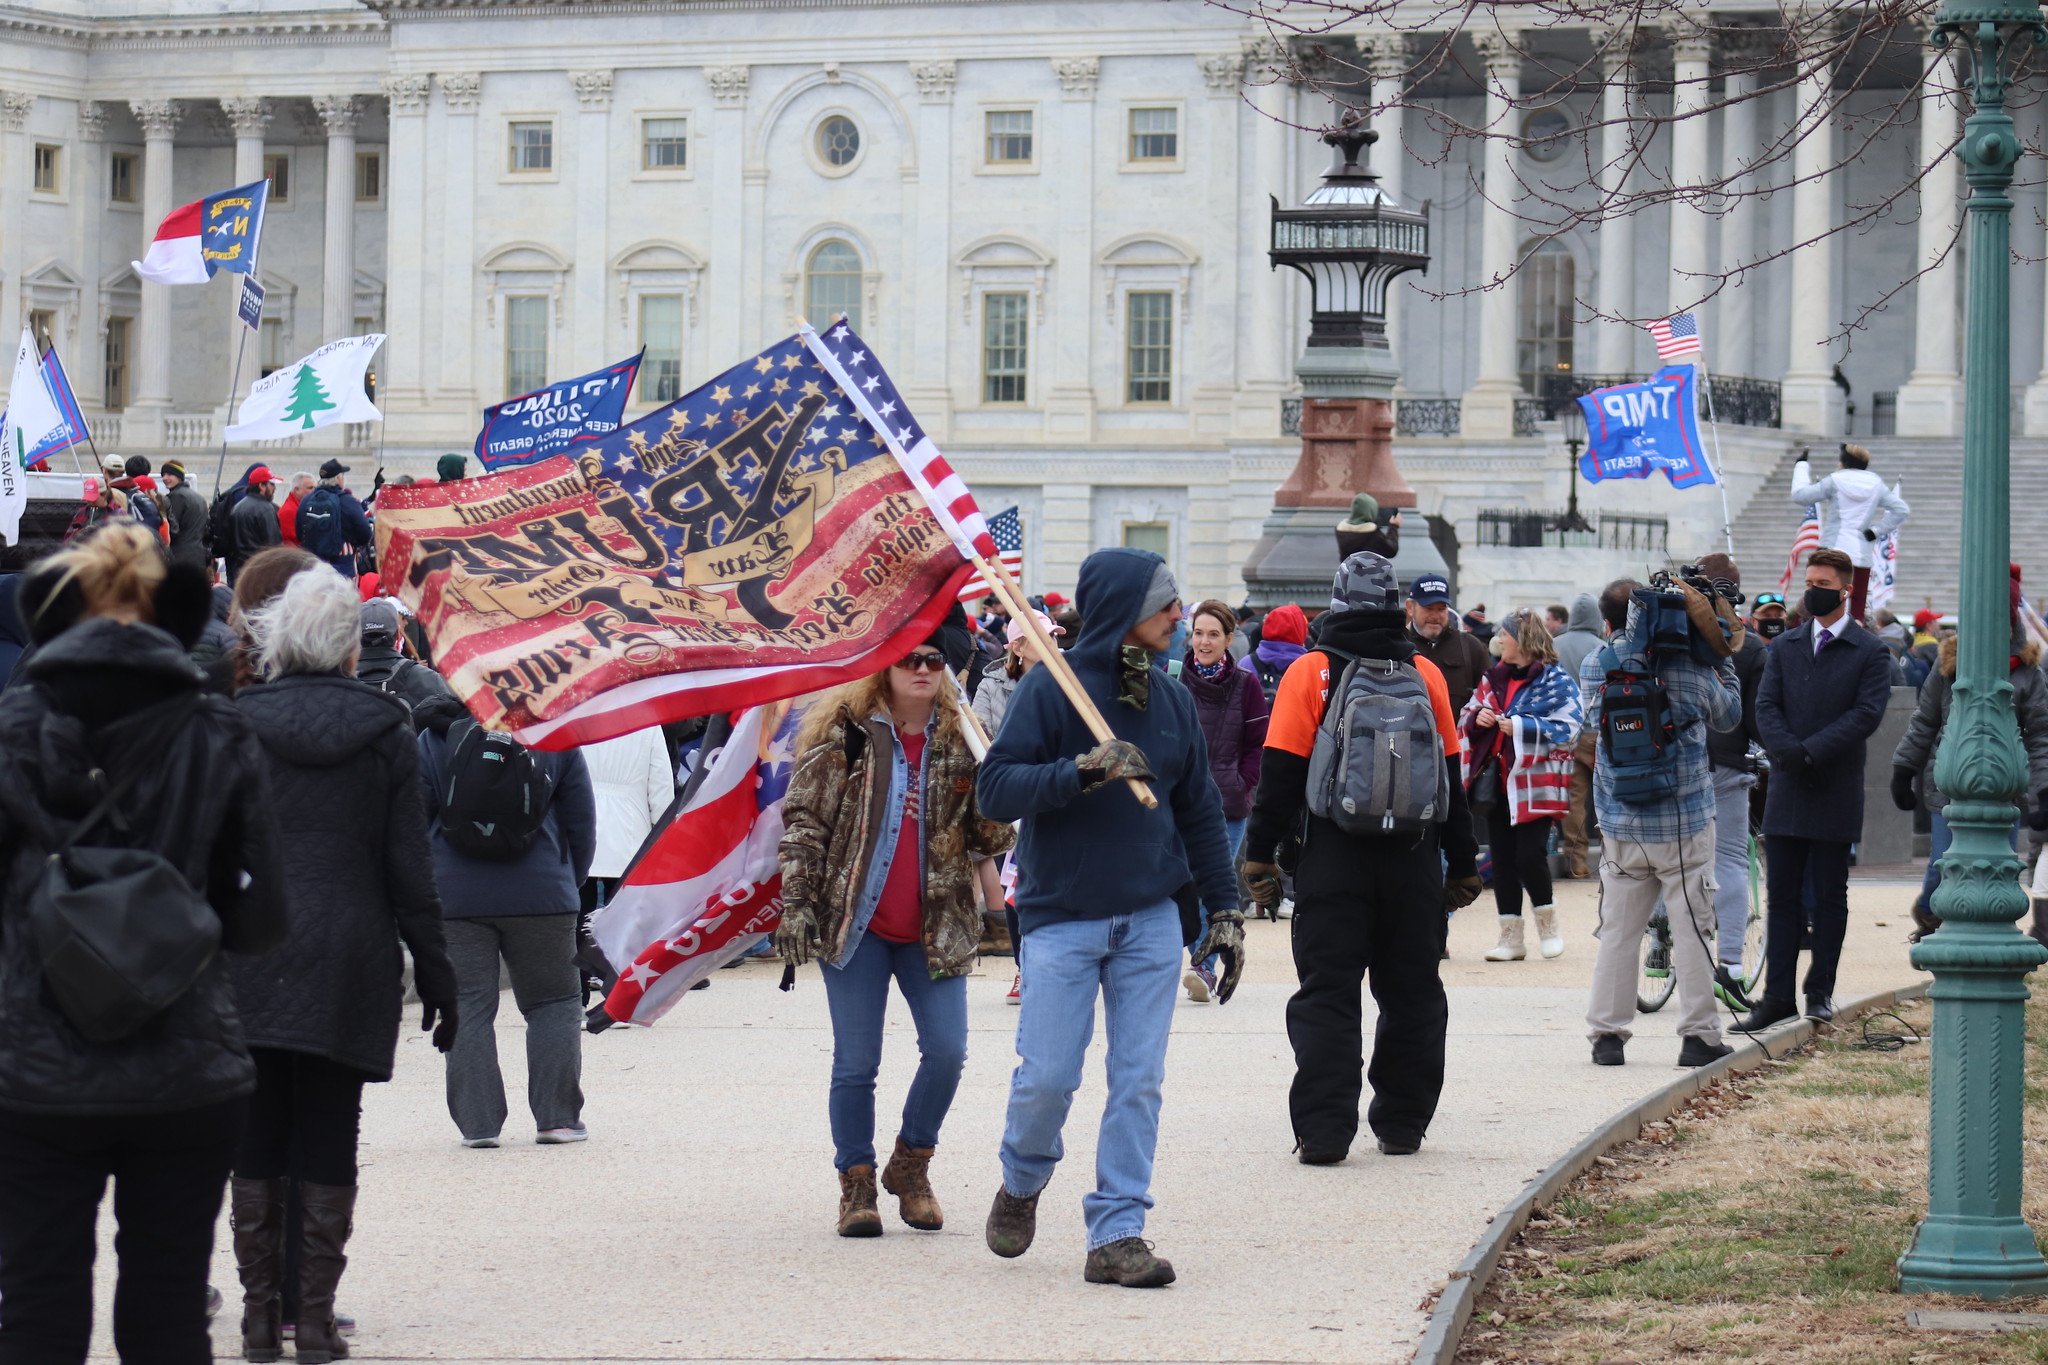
<point x="977" y="738"/>
<point x="993" y="572"/>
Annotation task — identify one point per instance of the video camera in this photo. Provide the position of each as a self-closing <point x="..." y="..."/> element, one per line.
<point x="1666" y="625"/>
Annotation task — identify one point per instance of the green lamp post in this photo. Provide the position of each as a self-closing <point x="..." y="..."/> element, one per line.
<point x="1974" y="1240"/>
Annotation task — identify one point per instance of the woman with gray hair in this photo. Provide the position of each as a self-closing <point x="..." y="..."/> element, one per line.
<point x="322" y="1010"/>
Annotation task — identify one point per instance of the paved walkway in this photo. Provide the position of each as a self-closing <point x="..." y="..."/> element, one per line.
<point x="696" y="1225"/>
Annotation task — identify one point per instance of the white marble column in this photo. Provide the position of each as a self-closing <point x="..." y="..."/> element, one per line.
<point x="339" y="115"/>
<point x="929" y="260"/>
<point x="1691" y="50"/>
<point x="727" y="146"/>
<point x="1489" y="406"/>
<point x="1931" y="401"/>
<point x="468" y="357"/>
<point x="1734" y="340"/>
<point x="401" y="383"/>
<point x="249" y="116"/>
<point x="1812" y="403"/>
<point x="1267" y="360"/>
<point x="1614" y="349"/>
<point x="143" y="425"/>
<point x="1387" y="59"/>
<point x="88" y="247"/>
<point x="15" y="108"/>
<point x="1079" y="308"/>
<point x="588" y="346"/>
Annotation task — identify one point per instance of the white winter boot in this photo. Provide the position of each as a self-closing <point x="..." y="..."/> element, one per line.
<point x="1509" y="949"/>
<point x="1549" y="939"/>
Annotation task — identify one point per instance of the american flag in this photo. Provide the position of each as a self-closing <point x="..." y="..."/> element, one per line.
<point x="847" y="359"/>
<point x="1803" y="544"/>
<point x="1006" y="529"/>
<point x="1676" y="336"/>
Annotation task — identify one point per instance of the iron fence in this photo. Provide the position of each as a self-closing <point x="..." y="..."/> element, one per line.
<point x="1743" y="402"/>
<point x="1523" y="528"/>
<point x="1428" y="416"/>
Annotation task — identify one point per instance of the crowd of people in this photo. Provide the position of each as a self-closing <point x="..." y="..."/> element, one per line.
<point x="1366" y="767"/>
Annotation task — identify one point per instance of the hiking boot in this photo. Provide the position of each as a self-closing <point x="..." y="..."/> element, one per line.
<point x="907" y="1176"/>
<point x="1607" y="1050"/>
<point x="256" y="1213"/>
<point x="1200" y="983"/>
<point x="1549" y="938"/>
<point x="1400" y="1146"/>
<point x="1767" y="1014"/>
<point x="1012" y="1222"/>
<point x="1729" y="988"/>
<point x="1129" y="1262"/>
<point x="1697" y="1051"/>
<point x="1820" y="1008"/>
<point x="327" y="1216"/>
<point x="1578" y="871"/>
<point x="1321" y="1153"/>
<point x="1509" y="949"/>
<point x="858" y="1216"/>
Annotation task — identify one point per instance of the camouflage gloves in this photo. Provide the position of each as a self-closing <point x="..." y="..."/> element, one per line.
<point x="796" y="937"/>
<point x="1110" y="761"/>
<point x="1224" y="938"/>
<point x="1262" y="884"/>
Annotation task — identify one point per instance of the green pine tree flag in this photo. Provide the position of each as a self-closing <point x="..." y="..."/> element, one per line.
<point x="307" y="397"/>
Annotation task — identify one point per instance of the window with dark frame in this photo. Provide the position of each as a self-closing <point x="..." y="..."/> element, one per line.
<point x="1547" y="283"/>
<point x="46" y="168"/>
<point x="526" y="344"/>
<point x="532" y="147"/>
<point x="661" y="333"/>
<point x="116" y="373"/>
<point x="1010" y="137"/>
<point x="664" y="144"/>
<point x="1155" y="134"/>
<point x="1005" y="353"/>
<point x="277" y="170"/>
<point x="121" y="178"/>
<point x="369" y="177"/>
<point x="1149" y="346"/>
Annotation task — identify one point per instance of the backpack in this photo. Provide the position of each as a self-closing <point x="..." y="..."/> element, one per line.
<point x="219" y="537"/>
<point x="1638" y="738"/>
<point x="494" y="796"/>
<point x="1378" y="762"/>
<point x="319" y="526"/>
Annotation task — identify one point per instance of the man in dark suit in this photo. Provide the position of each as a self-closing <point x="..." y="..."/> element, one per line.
<point x="1825" y="687"/>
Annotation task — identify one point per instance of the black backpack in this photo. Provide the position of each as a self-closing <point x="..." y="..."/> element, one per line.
<point x="319" y="528"/>
<point x="219" y="537"/>
<point x="495" y="794"/>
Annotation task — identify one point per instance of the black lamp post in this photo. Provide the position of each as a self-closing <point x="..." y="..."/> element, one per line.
<point x="1571" y="419"/>
<point x="1351" y="240"/>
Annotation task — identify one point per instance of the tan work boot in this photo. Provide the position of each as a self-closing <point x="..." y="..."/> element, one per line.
<point x="907" y="1177"/>
<point x="858" y="1216"/>
<point x="1549" y="938"/>
<point x="1509" y="949"/>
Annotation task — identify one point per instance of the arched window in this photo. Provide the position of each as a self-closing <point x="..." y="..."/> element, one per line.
<point x="832" y="286"/>
<point x="1544" y="320"/>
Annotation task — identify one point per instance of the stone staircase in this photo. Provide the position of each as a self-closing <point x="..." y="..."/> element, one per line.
<point x="1930" y="547"/>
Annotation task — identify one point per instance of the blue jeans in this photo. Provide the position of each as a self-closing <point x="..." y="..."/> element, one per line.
<point x="857" y="993"/>
<point x="1938" y="840"/>
<point x="1134" y="961"/>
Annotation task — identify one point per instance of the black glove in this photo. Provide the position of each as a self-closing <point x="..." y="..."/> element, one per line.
<point x="1902" y="789"/>
<point x="1792" y="761"/>
<point x="1262" y="884"/>
<point x="1111" y="760"/>
<point x="1869" y="534"/>
<point x="1224" y="938"/>
<point x="1460" y="892"/>
<point x="444" y="1030"/>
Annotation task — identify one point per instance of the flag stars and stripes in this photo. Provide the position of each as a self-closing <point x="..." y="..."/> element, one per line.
<point x="1677" y="335"/>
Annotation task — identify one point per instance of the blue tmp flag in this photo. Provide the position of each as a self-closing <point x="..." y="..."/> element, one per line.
<point x="1632" y="429"/>
<point x="549" y="421"/>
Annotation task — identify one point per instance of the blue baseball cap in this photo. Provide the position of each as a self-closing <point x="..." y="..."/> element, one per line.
<point x="1429" y="589"/>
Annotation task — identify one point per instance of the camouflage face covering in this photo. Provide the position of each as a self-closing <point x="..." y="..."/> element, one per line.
<point x="1134" y="676"/>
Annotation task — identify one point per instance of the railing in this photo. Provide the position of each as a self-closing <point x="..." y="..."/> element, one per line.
<point x="1428" y="416"/>
<point x="363" y="435"/>
<point x="282" y="442"/>
<point x="1522" y="528"/>
<point x="1528" y="412"/>
<point x="1734" y="399"/>
<point x="188" y="431"/>
<point x="106" y="430"/>
<point x="1884" y="414"/>
<point x="1290" y="417"/>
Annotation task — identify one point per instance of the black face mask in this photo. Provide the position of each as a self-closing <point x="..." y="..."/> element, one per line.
<point x="1822" y="601"/>
<point x="1770" y="628"/>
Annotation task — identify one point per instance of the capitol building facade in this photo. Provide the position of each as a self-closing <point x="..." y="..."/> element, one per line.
<point x="1049" y="220"/>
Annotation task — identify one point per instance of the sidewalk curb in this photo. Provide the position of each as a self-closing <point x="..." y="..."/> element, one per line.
<point x="1447" y="1321"/>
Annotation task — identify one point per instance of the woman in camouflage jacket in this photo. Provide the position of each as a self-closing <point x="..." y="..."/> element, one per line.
<point x="881" y="826"/>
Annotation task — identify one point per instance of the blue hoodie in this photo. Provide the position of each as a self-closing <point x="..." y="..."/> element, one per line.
<point x="1091" y="855"/>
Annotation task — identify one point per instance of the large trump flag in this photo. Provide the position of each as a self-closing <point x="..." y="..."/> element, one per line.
<point x="786" y="527"/>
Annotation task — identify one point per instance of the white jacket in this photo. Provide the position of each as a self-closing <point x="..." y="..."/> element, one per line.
<point x="1850" y="501"/>
<point x="633" y="786"/>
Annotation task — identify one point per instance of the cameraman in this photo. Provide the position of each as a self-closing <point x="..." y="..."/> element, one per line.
<point x="1826" y="684"/>
<point x="1728" y="754"/>
<point x="1663" y="847"/>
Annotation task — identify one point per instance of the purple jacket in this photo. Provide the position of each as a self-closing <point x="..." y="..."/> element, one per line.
<point x="1232" y="710"/>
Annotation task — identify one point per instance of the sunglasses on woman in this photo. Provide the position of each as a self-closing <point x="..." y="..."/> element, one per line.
<point x="917" y="663"/>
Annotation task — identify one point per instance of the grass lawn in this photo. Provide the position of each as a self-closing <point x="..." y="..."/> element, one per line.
<point x="1760" y="1225"/>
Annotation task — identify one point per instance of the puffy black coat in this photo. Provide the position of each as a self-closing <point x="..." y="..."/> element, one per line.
<point x="409" y="680"/>
<point x="344" y="781"/>
<point x="122" y="698"/>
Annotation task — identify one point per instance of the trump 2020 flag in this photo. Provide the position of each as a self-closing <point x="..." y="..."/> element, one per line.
<point x="220" y="232"/>
<point x="326" y="387"/>
<point x="708" y="885"/>
<point x="548" y="421"/>
<point x="1884" y="571"/>
<point x="1632" y="429"/>
<point x="759" y="538"/>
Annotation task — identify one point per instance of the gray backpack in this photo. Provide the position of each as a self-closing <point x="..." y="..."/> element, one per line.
<point x="1378" y="763"/>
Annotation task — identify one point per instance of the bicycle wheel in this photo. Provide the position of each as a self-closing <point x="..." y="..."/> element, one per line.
<point x="1753" y="937"/>
<point x="1655" y="985"/>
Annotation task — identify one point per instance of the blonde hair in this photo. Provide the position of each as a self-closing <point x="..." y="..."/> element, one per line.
<point x="856" y="701"/>
<point x="117" y="570"/>
<point x="1532" y="635"/>
<point x="313" y="626"/>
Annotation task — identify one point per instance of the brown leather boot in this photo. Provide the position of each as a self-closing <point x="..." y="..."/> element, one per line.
<point x="256" y="1213"/>
<point x="858" y="1216"/>
<point x="327" y="1215"/>
<point x="907" y="1177"/>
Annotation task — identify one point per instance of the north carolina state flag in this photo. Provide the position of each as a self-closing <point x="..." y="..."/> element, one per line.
<point x="219" y="232"/>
